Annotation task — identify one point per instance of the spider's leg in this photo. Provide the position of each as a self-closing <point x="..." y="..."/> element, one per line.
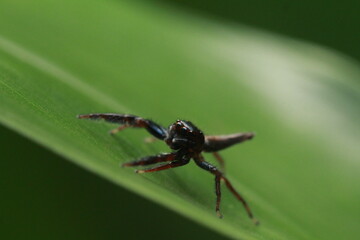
<point x="199" y="160"/>
<point x="220" y="160"/>
<point x="118" y="129"/>
<point x="217" y="143"/>
<point x="173" y="164"/>
<point x="241" y="199"/>
<point x="218" y="195"/>
<point x="167" y="157"/>
<point x="129" y="121"/>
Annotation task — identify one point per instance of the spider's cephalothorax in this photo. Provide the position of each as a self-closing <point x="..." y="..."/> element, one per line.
<point x="187" y="141"/>
<point x="185" y="135"/>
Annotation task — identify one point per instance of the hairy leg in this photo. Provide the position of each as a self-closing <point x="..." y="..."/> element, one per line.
<point x="128" y="121"/>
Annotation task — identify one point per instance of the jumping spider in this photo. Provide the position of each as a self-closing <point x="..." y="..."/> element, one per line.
<point x="187" y="141"/>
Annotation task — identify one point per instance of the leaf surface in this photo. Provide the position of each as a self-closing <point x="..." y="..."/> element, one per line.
<point x="300" y="174"/>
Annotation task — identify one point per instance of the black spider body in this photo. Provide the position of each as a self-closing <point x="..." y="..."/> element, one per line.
<point x="185" y="136"/>
<point x="187" y="141"/>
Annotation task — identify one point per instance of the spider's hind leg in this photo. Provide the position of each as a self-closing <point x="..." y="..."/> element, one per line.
<point x="127" y="120"/>
<point x="220" y="160"/>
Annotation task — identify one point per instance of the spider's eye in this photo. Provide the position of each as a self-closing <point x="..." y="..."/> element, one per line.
<point x="183" y="130"/>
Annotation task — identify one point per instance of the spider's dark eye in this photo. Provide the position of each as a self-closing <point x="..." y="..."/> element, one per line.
<point x="184" y="131"/>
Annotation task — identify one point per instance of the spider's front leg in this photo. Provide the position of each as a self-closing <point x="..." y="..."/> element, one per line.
<point x="176" y="159"/>
<point x="173" y="164"/>
<point x="199" y="160"/>
<point x="126" y="121"/>
<point x="217" y="143"/>
<point x="214" y="144"/>
<point x="167" y="157"/>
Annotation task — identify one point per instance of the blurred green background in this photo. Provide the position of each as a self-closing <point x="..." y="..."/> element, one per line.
<point x="331" y="23"/>
<point x="31" y="176"/>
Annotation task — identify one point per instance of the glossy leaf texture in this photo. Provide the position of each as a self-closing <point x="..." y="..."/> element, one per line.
<point x="300" y="174"/>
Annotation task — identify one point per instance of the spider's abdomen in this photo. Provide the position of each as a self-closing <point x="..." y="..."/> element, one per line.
<point x="185" y="135"/>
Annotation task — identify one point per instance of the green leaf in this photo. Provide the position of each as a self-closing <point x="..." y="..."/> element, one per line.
<point x="300" y="174"/>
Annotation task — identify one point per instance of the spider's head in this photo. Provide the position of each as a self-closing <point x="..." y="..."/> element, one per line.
<point x="185" y="135"/>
